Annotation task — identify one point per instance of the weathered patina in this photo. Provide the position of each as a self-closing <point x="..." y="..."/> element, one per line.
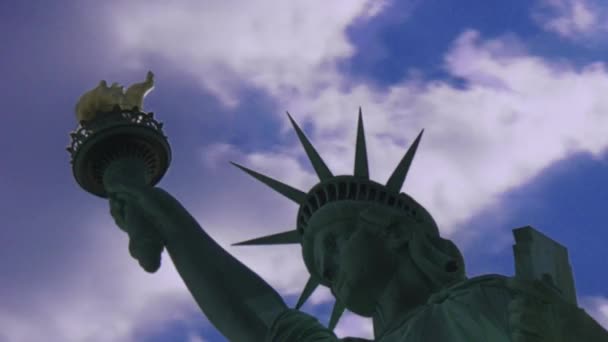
<point x="375" y="247"/>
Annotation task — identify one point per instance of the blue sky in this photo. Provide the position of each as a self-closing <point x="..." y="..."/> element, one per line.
<point x="511" y="96"/>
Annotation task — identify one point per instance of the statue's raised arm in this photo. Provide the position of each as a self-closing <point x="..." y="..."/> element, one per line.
<point x="120" y="152"/>
<point x="240" y="304"/>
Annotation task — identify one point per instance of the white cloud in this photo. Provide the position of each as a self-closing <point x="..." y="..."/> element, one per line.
<point x="261" y="211"/>
<point x="278" y="45"/>
<point x="354" y="325"/>
<point x="596" y="307"/>
<point x="107" y="298"/>
<point x="195" y="338"/>
<point x="572" y="19"/>
<point x="519" y="115"/>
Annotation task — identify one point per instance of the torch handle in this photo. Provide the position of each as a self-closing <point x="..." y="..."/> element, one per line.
<point x="145" y="242"/>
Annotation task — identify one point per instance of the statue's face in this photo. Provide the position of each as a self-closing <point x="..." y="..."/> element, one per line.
<point x="356" y="261"/>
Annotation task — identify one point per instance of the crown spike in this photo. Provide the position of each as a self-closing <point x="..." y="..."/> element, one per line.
<point x="336" y="313"/>
<point x="318" y="164"/>
<point x="284" y="238"/>
<point x="361" y="168"/>
<point x="395" y="182"/>
<point x="309" y="288"/>
<point x="292" y="193"/>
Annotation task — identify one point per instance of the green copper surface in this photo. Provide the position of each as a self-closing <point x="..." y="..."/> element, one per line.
<point x="379" y="252"/>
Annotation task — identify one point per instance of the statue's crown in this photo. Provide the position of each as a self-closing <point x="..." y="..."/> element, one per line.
<point x="334" y="189"/>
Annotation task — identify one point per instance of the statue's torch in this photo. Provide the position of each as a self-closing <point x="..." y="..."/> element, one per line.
<point x="117" y="142"/>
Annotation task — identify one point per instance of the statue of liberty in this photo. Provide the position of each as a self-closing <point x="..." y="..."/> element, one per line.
<point x="376" y="248"/>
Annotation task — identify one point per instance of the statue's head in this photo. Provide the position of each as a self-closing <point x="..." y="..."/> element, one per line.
<point x="357" y="248"/>
<point x="357" y="234"/>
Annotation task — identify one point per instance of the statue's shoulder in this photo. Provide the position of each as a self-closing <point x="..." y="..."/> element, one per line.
<point x="479" y="306"/>
<point x="537" y="258"/>
<point x="492" y="280"/>
<point x="470" y="286"/>
<point x="473" y="309"/>
<point x="295" y="325"/>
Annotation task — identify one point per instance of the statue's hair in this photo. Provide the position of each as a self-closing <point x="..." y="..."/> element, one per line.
<point x="437" y="258"/>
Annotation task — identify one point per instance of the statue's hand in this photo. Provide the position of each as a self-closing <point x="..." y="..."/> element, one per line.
<point x="538" y="313"/>
<point x="145" y="241"/>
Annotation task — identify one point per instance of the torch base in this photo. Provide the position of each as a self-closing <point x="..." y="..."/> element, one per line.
<point x="124" y="142"/>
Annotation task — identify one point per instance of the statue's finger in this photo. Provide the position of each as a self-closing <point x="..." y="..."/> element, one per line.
<point x="145" y="242"/>
<point x="117" y="212"/>
<point x="147" y="252"/>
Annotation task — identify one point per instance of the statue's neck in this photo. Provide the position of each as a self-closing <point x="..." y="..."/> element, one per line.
<point x="408" y="291"/>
